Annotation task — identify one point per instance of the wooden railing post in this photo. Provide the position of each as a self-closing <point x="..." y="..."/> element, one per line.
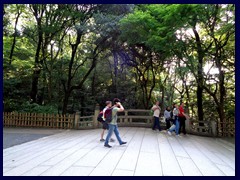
<point x="96" y="113"/>
<point x="214" y="128"/>
<point x="76" y="118"/>
<point x="125" y="119"/>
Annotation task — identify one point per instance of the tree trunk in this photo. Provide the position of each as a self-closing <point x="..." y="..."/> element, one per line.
<point x="162" y="99"/>
<point x="34" y="90"/>
<point x="220" y="109"/>
<point x="115" y="89"/>
<point x="68" y="88"/>
<point x="50" y="89"/>
<point x="200" y="77"/>
<point x="188" y="99"/>
<point x="65" y="102"/>
<point x="93" y="93"/>
<point x="199" y="104"/>
<point x="37" y="66"/>
<point x="222" y="93"/>
<point x="36" y="73"/>
<point x="14" y="37"/>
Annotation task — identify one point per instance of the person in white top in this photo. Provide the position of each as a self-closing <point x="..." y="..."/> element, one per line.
<point x="156" y="113"/>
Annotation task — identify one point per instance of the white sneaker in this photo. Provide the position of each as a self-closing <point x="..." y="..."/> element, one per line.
<point x="169" y="133"/>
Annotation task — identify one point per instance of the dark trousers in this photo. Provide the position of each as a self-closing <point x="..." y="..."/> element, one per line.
<point x="156" y="123"/>
<point x="105" y="125"/>
<point x="168" y="124"/>
<point x="182" y="125"/>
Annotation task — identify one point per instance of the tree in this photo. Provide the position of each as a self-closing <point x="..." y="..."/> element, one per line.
<point x="215" y="32"/>
<point x="78" y="55"/>
<point x="98" y="43"/>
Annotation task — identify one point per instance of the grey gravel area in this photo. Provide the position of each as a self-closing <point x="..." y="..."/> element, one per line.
<point x="15" y="136"/>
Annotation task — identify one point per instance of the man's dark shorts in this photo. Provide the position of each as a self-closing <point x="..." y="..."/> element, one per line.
<point x="105" y="125"/>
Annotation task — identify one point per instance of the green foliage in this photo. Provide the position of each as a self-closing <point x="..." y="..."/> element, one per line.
<point x="10" y="105"/>
<point x="36" y="108"/>
<point x="158" y="38"/>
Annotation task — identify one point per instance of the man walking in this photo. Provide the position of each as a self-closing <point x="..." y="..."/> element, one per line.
<point x="113" y="127"/>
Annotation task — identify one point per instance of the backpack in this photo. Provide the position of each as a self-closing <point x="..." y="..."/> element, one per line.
<point x="100" y="117"/>
<point x="108" y="115"/>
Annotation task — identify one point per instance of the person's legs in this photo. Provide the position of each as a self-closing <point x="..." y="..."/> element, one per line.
<point x="168" y="125"/>
<point x="154" y="124"/>
<point x="184" y="125"/>
<point x="158" y="123"/>
<point x="106" y="127"/>
<point x="110" y="131"/>
<point x="116" y="132"/>
<point x="172" y="128"/>
<point x="180" y="125"/>
<point x="102" y="134"/>
<point x="177" y="126"/>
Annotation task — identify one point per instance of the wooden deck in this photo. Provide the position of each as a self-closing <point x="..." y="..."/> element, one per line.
<point x="147" y="153"/>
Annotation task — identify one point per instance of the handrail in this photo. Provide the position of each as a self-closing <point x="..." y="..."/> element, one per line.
<point x="130" y="117"/>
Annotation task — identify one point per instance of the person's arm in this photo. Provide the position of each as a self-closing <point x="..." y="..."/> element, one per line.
<point x="186" y="116"/>
<point x="121" y="109"/>
<point x="182" y="112"/>
<point x="154" y="108"/>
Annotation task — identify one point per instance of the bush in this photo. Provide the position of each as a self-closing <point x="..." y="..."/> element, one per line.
<point x="36" y="108"/>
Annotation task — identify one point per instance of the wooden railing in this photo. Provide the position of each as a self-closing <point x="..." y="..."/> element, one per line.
<point x="86" y="122"/>
<point x="130" y="117"/>
<point x="206" y="129"/>
<point x="135" y="117"/>
<point x="14" y="119"/>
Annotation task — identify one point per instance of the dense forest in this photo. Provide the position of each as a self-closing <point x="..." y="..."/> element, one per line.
<point x="63" y="58"/>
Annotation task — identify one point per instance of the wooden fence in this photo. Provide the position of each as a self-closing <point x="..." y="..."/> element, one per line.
<point x="86" y="122"/>
<point x="207" y="128"/>
<point x="135" y="118"/>
<point x="14" y="119"/>
<point x="130" y="117"/>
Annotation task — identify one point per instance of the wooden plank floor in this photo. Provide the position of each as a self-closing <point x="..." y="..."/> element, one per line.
<point x="147" y="153"/>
